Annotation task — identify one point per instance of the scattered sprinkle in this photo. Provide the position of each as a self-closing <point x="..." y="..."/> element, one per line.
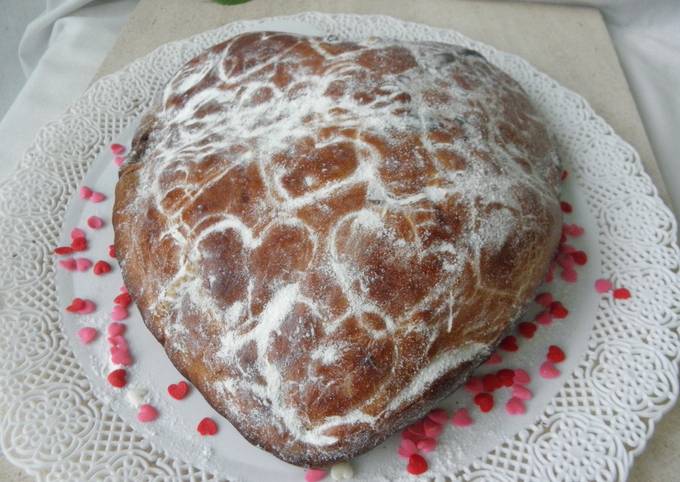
<point x="566" y="207"/>
<point x="87" y="334"/>
<point x="62" y="250"/>
<point x="509" y="343"/>
<point x="544" y="299"/>
<point x="117" y="149"/>
<point x="112" y="250"/>
<point x="79" y="244"/>
<point x="119" y="160"/>
<point x="621" y="294"/>
<point x="555" y="354"/>
<point x="557" y="310"/>
<point x="101" y="267"/>
<point x="438" y="415"/>
<point x="85" y="192"/>
<point x="314" y="475"/>
<point x="123" y="299"/>
<point x="461" y="418"/>
<point x="147" y="413"/>
<point x="97" y="197"/>
<point x="207" y="426"/>
<point x="178" y="390"/>
<point x="484" y="401"/>
<point x="521" y="377"/>
<point x="68" y="264"/>
<point x="95" y="222"/>
<point x="119" y="313"/>
<point x="83" y="264"/>
<point x="116" y="329"/>
<point x="118" y="378"/>
<point x="77" y="233"/>
<point x="342" y="471"/>
<point x="521" y="392"/>
<point x="427" y="445"/>
<point x="474" y="385"/>
<point x="603" y="285"/>
<point x="515" y="406"/>
<point x="527" y="329"/>
<point x="548" y="370"/>
<point x="416" y="465"/>
<point x="494" y="359"/>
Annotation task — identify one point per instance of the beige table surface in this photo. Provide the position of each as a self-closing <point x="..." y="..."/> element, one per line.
<point x="571" y="44"/>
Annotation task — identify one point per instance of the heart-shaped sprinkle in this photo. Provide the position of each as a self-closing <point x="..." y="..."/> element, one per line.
<point x="123" y="299"/>
<point x="566" y="207"/>
<point x="121" y="356"/>
<point x="77" y="233"/>
<point x="558" y="310"/>
<point x="88" y="307"/>
<point x="136" y="395"/>
<point x="119" y="160"/>
<point x="515" y="406"/>
<point x="548" y="370"/>
<point x="427" y="445"/>
<point x="416" y="465"/>
<point x="147" y="413"/>
<point x="178" y="390"/>
<point x="79" y="244"/>
<point x="118" y="341"/>
<point x="573" y="230"/>
<point x="116" y="329"/>
<point x="579" y="257"/>
<point x="117" y="149"/>
<point x="87" y="334"/>
<point x="112" y="250"/>
<point x="95" y="222"/>
<point x="566" y="248"/>
<point x="417" y="429"/>
<point x="555" y="354"/>
<point x="490" y="382"/>
<point x="544" y="318"/>
<point x="474" y="385"/>
<point x="521" y="377"/>
<point x="97" y="197"/>
<point x="85" y="192"/>
<point x="83" y="264"/>
<point x="494" y="359"/>
<point x="564" y="175"/>
<point x="342" y="471"/>
<point x="509" y="343"/>
<point x="118" y="313"/>
<point x="544" y="299"/>
<point x="407" y="448"/>
<point x="123" y="289"/>
<point x="527" y="329"/>
<point x="438" y="415"/>
<point x="68" y="264"/>
<point x="521" y="392"/>
<point x="565" y="261"/>
<point x="603" y="285"/>
<point x="62" y="250"/>
<point x="484" y="401"/>
<point x="569" y="275"/>
<point x="461" y="418"/>
<point x="506" y="377"/>
<point x="621" y="294"/>
<point x="314" y="475"/>
<point x="118" y="378"/>
<point x="207" y="426"/>
<point x="431" y="428"/>
<point x="101" y="267"/>
<point x="76" y="305"/>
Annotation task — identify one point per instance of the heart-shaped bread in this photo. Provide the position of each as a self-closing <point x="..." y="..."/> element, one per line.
<point x="327" y="236"/>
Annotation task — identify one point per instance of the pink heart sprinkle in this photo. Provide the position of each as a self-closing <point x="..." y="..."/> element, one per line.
<point x="88" y="307"/>
<point x="573" y="230"/>
<point x="474" y="385"/>
<point x="432" y="429"/>
<point x="515" y="406"/>
<point x="118" y="341"/>
<point x="569" y="275"/>
<point x="77" y="233"/>
<point x="116" y="329"/>
<point x="121" y="356"/>
<point x="95" y="222"/>
<point x="119" y="160"/>
<point x="461" y="418"/>
<point x="147" y="413"/>
<point x="494" y="359"/>
<point x="85" y="192"/>
<point x="548" y="370"/>
<point x="407" y="448"/>
<point x="87" y="335"/>
<point x="83" y="264"/>
<point x="544" y="318"/>
<point x="522" y="392"/>
<point x="427" y="445"/>
<point x="97" y="197"/>
<point x="123" y="289"/>
<point x="438" y="415"/>
<point x="68" y="264"/>
<point x="314" y="475"/>
<point x="521" y="377"/>
<point x="119" y="313"/>
<point x="603" y="285"/>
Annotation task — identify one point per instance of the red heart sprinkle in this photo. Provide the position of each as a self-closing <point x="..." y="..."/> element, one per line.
<point x="509" y="343"/>
<point x="555" y="354"/>
<point x="494" y="359"/>
<point x="564" y="175"/>
<point x="117" y="149"/>
<point x="490" y="382"/>
<point x="621" y="294"/>
<point x="77" y="233"/>
<point x="527" y="329"/>
<point x="431" y="428"/>
<point x="416" y="465"/>
<point x="474" y="385"/>
<point x="566" y="207"/>
<point x="417" y="429"/>
<point x="118" y="378"/>
<point x="544" y="299"/>
<point x="544" y="318"/>
<point x="112" y="250"/>
<point x="558" y="310"/>
<point x="101" y="267"/>
<point x="123" y="299"/>
<point x="506" y="377"/>
<point x="178" y="390"/>
<point x="76" y="305"/>
<point x="438" y="415"/>
<point x="484" y="401"/>
<point x="79" y="244"/>
<point x="61" y="250"/>
<point x="207" y="426"/>
<point x="579" y="257"/>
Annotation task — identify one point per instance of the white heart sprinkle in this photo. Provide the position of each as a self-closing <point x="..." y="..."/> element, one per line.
<point x="342" y="471"/>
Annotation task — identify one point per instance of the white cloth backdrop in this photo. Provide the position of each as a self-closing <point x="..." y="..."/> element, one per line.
<point x="62" y="48"/>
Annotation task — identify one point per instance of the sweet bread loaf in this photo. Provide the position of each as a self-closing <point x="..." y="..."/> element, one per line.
<point x="327" y="236"/>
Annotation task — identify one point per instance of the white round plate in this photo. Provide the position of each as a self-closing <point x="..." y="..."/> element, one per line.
<point x="619" y="377"/>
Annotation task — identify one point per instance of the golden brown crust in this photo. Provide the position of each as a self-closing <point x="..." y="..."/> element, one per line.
<point x="328" y="236"/>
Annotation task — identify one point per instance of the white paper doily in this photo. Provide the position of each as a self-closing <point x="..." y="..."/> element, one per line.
<point x="602" y="415"/>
